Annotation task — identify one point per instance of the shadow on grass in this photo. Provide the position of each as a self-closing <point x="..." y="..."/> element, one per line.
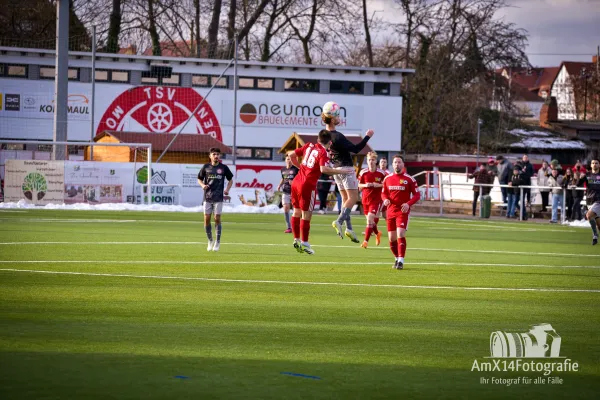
<point x="53" y="375"/>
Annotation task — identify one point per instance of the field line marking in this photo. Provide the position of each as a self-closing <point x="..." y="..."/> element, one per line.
<point x="171" y="262"/>
<point x="314" y="245"/>
<point x="302" y="282"/>
<point x="471" y="226"/>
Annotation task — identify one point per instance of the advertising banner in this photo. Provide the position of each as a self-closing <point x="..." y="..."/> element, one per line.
<point x="97" y="183"/>
<point x="39" y="182"/>
<point x="264" y="118"/>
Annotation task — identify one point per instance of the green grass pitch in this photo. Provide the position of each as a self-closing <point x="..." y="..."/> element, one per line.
<point x="130" y="305"/>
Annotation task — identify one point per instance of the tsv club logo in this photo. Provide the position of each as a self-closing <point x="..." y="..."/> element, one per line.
<point x="160" y="109"/>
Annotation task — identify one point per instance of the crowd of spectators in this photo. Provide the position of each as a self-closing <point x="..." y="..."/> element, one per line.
<point x="551" y="177"/>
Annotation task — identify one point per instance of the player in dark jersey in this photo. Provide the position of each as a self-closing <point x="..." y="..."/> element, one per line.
<point x="592" y="198"/>
<point x="371" y="181"/>
<point x="340" y="156"/>
<point x="304" y="187"/>
<point x="212" y="180"/>
<point x="400" y="192"/>
<point x="288" y="173"/>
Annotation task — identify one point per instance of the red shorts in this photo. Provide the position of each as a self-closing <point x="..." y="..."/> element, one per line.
<point x="372" y="208"/>
<point x="303" y="197"/>
<point x="398" y="221"/>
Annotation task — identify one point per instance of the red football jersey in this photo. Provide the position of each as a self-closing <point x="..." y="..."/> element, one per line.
<point x="399" y="189"/>
<point x="313" y="157"/>
<point x="371" y="195"/>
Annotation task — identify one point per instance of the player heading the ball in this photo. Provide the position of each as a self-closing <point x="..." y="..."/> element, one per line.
<point x="304" y="186"/>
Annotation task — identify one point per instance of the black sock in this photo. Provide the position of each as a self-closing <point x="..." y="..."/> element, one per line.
<point x="593" y="225"/>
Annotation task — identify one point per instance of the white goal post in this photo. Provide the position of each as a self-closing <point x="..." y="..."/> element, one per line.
<point x="31" y="173"/>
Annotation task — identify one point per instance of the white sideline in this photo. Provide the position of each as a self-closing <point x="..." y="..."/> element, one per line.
<point x="312" y="245"/>
<point x="172" y="262"/>
<point x="304" y="283"/>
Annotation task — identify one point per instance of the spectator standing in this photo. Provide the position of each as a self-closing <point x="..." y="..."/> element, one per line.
<point x="513" y="191"/>
<point x="504" y="175"/>
<point x="492" y="168"/>
<point x="527" y="167"/>
<point x="482" y="176"/>
<point x="579" y="168"/>
<point x="555" y="182"/>
<point x="527" y="171"/>
<point x="542" y="180"/>
<point x="577" y="195"/>
<point x="566" y="184"/>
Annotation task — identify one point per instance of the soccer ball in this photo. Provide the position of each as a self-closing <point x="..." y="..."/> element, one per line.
<point x="331" y="109"/>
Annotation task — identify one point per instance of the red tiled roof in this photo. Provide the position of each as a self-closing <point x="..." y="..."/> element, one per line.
<point x="523" y="94"/>
<point x="185" y="142"/>
<point x="547" y="78"/>
<point x="525" y="77"/>
<point x="308" y="138"/>
<point x="574" y="68"/>
<point x="537" y="78"/>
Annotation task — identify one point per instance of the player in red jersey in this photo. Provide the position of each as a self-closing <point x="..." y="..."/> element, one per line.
<point x="304" y="186"/>
<point x="371" y="181"/>
<point x="400" y="192"/>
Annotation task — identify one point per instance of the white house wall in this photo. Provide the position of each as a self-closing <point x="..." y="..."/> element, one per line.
<point x="562" y="89"/>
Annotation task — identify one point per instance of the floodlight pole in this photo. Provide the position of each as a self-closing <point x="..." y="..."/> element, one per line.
<point x="93" y="102"/>
<point x="61" y="79"/>
<point x="479" y="122"/>
<point x="235" y="86"/>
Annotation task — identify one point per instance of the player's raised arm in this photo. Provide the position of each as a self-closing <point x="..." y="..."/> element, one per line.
<point x="344" y="143"/>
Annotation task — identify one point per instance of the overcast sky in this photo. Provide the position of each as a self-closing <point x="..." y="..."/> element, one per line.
<point x="557" y="27"/>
